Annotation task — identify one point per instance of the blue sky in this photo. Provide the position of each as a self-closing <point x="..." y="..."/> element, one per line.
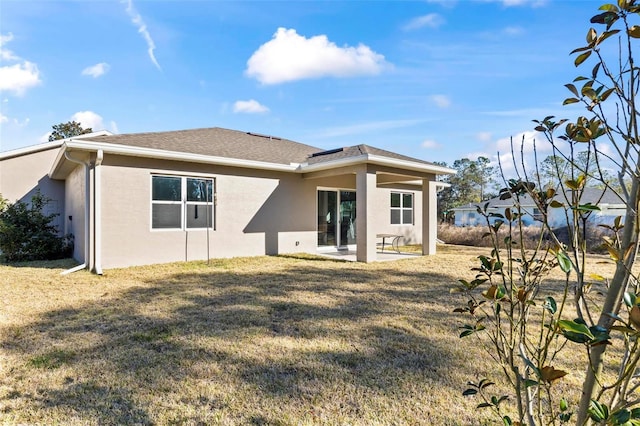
<point x="436" y="80"/>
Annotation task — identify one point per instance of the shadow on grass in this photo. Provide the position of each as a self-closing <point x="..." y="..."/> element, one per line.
<point x="42" y="264"/>
<point x="270" y="339"/>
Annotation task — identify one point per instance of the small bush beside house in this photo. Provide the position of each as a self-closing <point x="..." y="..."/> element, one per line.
<point x="27" y="233"/>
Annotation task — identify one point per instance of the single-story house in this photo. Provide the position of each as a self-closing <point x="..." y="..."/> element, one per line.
<point x="610" y="206"/>
<point x="144" y="198"/>
<point x="467" y="215"/>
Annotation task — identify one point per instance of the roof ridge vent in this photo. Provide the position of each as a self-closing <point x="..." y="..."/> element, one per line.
<point x="331" y="151"/>
<point x="264" y="136"/>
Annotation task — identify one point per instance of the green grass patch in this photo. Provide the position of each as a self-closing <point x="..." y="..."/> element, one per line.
<point x="51" y="360"/>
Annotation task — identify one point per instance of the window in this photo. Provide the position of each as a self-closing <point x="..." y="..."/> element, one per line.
<point x="537" y="215"/>
<point x="401" y="208"/>
<point x="181" y="202"/>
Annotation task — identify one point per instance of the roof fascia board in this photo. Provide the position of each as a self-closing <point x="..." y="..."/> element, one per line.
<point x="78" y="144"/>
<point x="380" y="160"/>
<point x="341" y="162"/>
<point x="83" y="145"/>
<point x="410" y="165"/>
<point x="30" y="149"/>
<point x="47" y="145"/>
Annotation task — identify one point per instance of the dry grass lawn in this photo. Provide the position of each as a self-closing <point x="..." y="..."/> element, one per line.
<point x="263" y="341"/>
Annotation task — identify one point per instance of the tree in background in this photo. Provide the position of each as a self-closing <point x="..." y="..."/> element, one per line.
<point x="551" y="171"/>
<point x="470" y="184"/>
<point x="555" y="169"/>
<point x="67" y="130"/>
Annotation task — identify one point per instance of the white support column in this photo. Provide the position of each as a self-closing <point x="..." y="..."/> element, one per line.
<point x="365" y="232"/>
<point x="429" y="217"/>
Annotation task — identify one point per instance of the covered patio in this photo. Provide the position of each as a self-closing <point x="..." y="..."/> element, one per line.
<point x="371" y="174"/>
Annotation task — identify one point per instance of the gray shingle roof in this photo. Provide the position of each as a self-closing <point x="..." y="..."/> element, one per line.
<point x="596" y="196"/>
<point x="590" y="195"/>
<point x="358" y="150"/>
<point x="497" y="203"/>
<point x="217" y="142"/>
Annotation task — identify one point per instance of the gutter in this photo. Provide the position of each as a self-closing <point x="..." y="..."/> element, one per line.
<point x="97" y="212"/>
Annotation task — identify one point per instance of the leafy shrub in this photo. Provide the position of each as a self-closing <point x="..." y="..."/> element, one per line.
<point x="27" y="233"/>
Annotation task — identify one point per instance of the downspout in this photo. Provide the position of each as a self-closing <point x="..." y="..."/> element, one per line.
<point x="97" y="224"/>
<point x="87" y="190"/>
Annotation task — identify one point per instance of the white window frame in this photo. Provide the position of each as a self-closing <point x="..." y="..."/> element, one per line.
<point x="402" y="208"/>
<point x="184" y="203"/>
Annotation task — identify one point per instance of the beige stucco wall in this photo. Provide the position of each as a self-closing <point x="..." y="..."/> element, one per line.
<point x="412" y="234"/>
<point x="74" y="201"/>
<point x="257" y="213"/>
<point x="23" y="175"/>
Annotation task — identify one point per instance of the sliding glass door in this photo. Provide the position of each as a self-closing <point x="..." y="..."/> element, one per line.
<point x="336" y="218"/>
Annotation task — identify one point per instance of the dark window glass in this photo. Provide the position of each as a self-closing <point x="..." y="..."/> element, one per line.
<point x="407" y="216"/>
<point x="395" y="217"/>
<point x="165" y="188"/>
<point x="166" y="216"/>
<point x="197" y="215"/>
<point x="395" y="199"/>
<point x="199" y="190"/>
<point x="407" y="200"/>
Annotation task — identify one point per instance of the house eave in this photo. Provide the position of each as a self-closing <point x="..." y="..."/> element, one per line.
<point x="379" y="160"/>
<point x="131" y="151"/>
<point x="30" y="150"/>
<point x="76" y="144"/>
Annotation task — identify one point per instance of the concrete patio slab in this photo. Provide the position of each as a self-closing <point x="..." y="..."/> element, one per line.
<point x="350" y="255"/>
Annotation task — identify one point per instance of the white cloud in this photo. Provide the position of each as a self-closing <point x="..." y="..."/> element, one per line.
<point x="525" y="141"/>
<point x="89" y="119"/>
<point x="250" y="107"/>
<point x="44" y="138"/>
<point x="430" y="144"/>
<point x="136" y="20"/>
<point x="289" y="57"/>
<point x="19" y="77"/>
<point x="432" y="20"/>
<point x="523" y="151"/>
<point x="441" y="101"/>
<point x="114" y="127"/>
<point x="3" y="118"/>
<point x="484" y="136"/>
<point x="6" y="54"/>
<point x="96" y="70"/>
